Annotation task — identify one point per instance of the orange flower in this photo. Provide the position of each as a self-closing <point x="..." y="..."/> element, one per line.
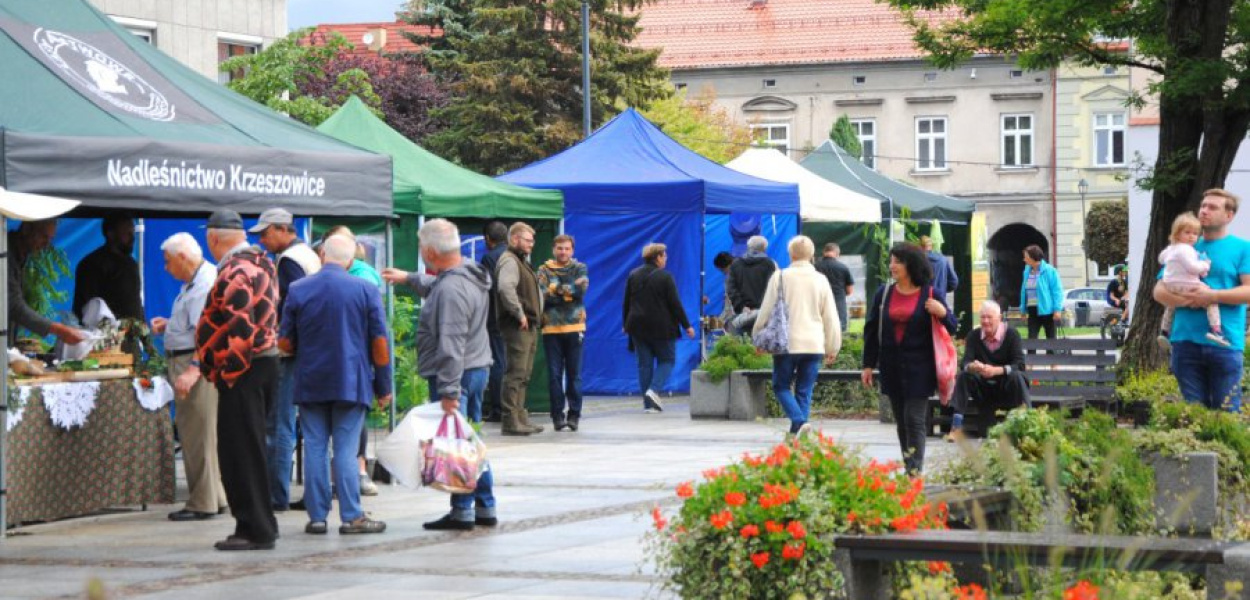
<point x="721" y="519"/>
<point x="793" y="551"/>
<point x="936" y="567"/>
<point x="660" y="521"/>
<point x="750" y="531"/>
<point x="1083" y="590"/>
<point x="774" y="527"/>
<point x="735" y="498"/>
<point x="850" y="517"/>
<point x="760" y="559"/>
<point x="796" y="530"/>
<point x="685" y="489"/>
<point x="971" y="591"/>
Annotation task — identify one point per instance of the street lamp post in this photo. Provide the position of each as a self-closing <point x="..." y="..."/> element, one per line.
<point x="585" y="68"/>
<point x="1083" y="187"/>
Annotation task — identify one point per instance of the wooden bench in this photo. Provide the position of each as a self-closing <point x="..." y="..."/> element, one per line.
<point x="1220" y="562"/>
<point x="1064" y="374"/>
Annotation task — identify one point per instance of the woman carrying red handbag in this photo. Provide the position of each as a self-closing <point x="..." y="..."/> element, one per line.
<point x="899" y="342"/>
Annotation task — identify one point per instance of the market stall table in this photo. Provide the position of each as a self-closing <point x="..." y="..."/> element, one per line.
<point x="123" y="455"/>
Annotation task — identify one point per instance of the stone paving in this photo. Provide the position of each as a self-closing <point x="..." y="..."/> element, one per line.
<point x="573" y="508"/>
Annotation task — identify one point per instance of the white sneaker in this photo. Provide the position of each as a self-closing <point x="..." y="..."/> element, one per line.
<point x="367" y="487"/>
<point x="806" y="430"/>
<point x="655" y="400"/>
<point x="1163" y="343"/>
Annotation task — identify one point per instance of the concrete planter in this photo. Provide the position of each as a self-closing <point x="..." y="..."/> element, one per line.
<point x="708" y="400"/>
<point x="748" y="397"/>
<point x="1186" y="492"/>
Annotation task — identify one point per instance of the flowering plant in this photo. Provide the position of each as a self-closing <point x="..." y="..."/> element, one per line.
<point x="762" y="527"/>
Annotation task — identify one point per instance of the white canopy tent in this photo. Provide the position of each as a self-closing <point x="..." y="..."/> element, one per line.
<point x="819" y="198"/>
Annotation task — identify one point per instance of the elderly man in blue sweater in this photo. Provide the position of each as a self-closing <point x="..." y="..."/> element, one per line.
<point x="334" y="325"/>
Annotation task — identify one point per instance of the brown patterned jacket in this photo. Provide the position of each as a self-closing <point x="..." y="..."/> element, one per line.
<point x="240" y="318"/>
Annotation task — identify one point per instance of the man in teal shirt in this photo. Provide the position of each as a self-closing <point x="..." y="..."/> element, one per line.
<point x="1208" y="373"/>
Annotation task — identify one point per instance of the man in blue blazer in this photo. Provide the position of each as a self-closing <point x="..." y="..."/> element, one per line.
<point x="334" y="324"/>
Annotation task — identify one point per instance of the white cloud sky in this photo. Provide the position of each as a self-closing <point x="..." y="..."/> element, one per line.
<point x="303" y="13"/>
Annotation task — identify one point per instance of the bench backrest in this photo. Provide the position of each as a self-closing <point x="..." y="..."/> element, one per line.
<point x="1009" y="548"/>
<point x="1083" y="367"/>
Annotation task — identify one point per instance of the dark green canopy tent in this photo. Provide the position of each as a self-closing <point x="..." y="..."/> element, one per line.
<point x="90" y="112"/>
<point x="914" y="208"/>
<point x="427" y="186"/>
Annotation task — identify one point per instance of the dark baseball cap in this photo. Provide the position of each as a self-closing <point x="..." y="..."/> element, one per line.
<point x="225" y="219"/>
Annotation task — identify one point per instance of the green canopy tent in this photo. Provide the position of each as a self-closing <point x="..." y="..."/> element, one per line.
<point x="427" y="186"/>
<point x="902" y="205"/>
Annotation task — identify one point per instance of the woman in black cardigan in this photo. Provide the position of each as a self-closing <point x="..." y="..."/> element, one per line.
<point x="906" y="362"/>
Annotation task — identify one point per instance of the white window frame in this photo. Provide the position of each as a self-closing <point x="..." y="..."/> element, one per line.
<point x="869" y="158"/>
<point x="933" y="140"/>
<point x="141" y="28"/>
<point x="1105" y="123"/>
<point x="1013" y="137"/>
<point x="768" y="140"/>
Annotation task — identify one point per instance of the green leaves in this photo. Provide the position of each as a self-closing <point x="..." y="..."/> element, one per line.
<point x="843" y="134"/>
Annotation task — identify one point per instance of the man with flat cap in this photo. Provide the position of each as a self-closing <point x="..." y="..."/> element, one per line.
<point x="295" y="261"/>
<point x="236" y="342"/>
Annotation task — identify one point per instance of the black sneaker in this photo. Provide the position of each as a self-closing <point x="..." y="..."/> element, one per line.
<point x="486" y="521"/>
<point x="448" y="524"/>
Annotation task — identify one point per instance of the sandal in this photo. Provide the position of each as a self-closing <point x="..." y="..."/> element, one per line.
<point x="316" y="527"/>
<point x="363" y="525"/>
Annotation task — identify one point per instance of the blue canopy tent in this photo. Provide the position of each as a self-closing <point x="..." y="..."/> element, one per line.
<point x="629" y="184"/>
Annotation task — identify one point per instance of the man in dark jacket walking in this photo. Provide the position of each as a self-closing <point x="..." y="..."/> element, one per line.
<point x="334" y="325"/>
<point x="652" y="314"/>
<point x="945" y="281"/>
<point x="839" y="276"/>
<point x="496" y="235"/>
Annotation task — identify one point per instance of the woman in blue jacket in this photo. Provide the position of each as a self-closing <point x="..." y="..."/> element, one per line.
<point x="1041" y="293"/>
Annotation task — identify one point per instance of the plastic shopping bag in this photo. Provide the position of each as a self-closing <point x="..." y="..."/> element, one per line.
<point x="401" y="453"/>
<point x="454" y="458"/>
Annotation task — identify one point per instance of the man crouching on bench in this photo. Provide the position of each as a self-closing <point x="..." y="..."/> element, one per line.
<point x="992" y="371"/>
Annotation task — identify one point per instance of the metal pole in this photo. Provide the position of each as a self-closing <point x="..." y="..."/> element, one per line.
<point x="1085" y="250"/>
<point x="390" y="317"/>
<point x="585" y="68"/>
<point x="4" y="364"/>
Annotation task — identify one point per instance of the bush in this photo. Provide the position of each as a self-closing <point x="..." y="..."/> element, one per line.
<point x="761" y="528"/>
<point x="734" y="353"/>
<point x="1151" y="386"/>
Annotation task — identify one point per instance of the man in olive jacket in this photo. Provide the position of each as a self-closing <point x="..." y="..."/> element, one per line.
<point x="519" y="308"/>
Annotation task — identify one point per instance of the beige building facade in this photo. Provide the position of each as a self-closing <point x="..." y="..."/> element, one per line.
<point x="202" y="33"/>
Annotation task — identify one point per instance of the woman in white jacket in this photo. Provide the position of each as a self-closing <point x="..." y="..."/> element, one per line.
<point x="814" y="330"/>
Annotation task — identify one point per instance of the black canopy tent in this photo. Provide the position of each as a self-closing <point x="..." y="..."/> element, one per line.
<point x="90" y="113"/>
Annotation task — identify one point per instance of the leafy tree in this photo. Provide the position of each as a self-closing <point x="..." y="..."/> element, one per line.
<point x="1198" y="53"/>
<point x="843" y="134"/>
<point x="514" y="70"/>
<point x="275" y="75"/>
<point x="1109" y="246"/>
<point x="309" y="75"/>
<point x="700" y="125"/>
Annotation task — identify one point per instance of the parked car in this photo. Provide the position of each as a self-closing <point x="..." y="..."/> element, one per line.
<point x="1095" y="298"/>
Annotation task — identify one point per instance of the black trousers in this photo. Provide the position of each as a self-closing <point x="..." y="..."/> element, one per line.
<point x="990" y="395"/>
<point x="241" y="450"/>
<point x="909" y="418"/>
<point x="1040" y="322"/>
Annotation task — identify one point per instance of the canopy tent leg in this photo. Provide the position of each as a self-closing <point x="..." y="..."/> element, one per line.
<point x="390" y="317"/>
<point x="4" y="368"/>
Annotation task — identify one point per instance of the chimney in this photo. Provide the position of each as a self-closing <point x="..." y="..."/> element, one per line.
<point x="757" y="5"/>
<point x="375" y="39"/>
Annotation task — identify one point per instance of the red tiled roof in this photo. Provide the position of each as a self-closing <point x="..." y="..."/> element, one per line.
<point x="714" y="33"/>
<point x="395" y="39"/>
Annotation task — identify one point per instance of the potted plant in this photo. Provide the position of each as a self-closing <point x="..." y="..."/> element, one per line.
<point x="709" y="384"/>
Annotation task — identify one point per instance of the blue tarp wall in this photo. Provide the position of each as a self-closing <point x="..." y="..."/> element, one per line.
<point x="719" y="236"/>
<point x="629" y="185"/>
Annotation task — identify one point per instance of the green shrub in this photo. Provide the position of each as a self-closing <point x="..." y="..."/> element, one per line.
<point x="1151" y="386"/>
<point x="734" y="353"/>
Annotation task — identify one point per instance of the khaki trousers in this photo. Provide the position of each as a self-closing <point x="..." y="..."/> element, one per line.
<point x="521" y="347"/>
<point x="196" y="419"/>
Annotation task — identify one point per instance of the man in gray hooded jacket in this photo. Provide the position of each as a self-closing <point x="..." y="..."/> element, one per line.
<point x="453" y="350"/>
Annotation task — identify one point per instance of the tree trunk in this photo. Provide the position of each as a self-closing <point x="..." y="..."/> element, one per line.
<point x="1198" y="140"/>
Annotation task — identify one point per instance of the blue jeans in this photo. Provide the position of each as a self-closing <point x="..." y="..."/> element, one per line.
<point x="655" y="362"/>
<point x="564" y="373"/>
<point x="280" y="436"/>
<point x="340" y="423"/>
<point x="494" y="390"/>
<point x="481" y="503"/>
<point x="794" y="376"/>
<point x="1208" y="375"/>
